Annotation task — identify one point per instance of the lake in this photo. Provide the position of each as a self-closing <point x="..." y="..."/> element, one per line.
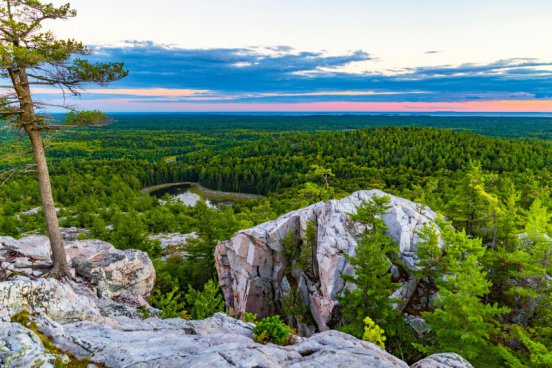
<point x="185" y="194"/>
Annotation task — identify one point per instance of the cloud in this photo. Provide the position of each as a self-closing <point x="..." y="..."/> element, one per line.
<point x="281" y="74"/>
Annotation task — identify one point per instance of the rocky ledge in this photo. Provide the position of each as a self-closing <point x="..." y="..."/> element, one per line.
<point x="95" y="319"/>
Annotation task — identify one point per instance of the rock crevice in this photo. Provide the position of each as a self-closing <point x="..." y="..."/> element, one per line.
<point x="251" y="265"/>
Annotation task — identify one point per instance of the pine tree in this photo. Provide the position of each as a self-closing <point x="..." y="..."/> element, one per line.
<point x="461" y="322"/>
<point x="531" y="276"/>
<point x="30" y="56"/>
<point x="429" y="255"/>
<point x="372" y="281"/>
<point x="467" y="207"/>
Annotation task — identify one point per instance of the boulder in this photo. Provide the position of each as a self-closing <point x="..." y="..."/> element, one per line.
<point x="58" y="300"/>
<point x="251" y="266"/>
<point x="443" y="360"/>
<point x="418" y="325"/>
<point x="115" y="273"/>
<point x="74" y="233"/>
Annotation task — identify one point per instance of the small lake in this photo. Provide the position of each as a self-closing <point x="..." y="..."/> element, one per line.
<point x="185" y="193"/>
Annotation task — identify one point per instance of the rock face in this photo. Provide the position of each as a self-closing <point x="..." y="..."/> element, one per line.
<point x="115" y="273"/>
<point x="219" y="341"/>
<point x="84" y="321"/>
<point x="251" y="265"/>
<point x="46" y="296"/>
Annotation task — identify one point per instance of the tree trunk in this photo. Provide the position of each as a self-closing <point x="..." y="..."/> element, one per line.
<point x="60" y="267"/>
<point x="29" y="123"/>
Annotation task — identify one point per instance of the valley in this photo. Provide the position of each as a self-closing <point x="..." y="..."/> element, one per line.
<point x="116" y="182"/>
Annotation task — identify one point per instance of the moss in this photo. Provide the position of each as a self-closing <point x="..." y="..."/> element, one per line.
<point x="24" y="318"/>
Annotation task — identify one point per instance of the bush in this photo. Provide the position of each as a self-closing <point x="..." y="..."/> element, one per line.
<point x="250" y="317"/>
<point x="169" y="303"/>
<point x="272" y="330"/>
<point x="373" y="333"/>
<point x="204" y="304"/>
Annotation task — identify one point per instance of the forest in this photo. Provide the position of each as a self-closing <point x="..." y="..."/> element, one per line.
<point x="489" y="177"/>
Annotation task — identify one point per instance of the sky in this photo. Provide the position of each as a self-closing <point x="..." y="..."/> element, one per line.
<point x="317" y="55"/>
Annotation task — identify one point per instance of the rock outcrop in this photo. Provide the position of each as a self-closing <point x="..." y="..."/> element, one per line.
<point x="219" y="341"/>
<point x="21" y="347"/>
<point x="251" y="266"/>
<point x="174" y="243"/>
<point x="114" y="273"/>
<point x="104" y="329"/>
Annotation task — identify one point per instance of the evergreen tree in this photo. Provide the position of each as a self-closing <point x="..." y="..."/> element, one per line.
<point x="467" y="206"/>
<point x="429" y="255"/>
<point x="372" y="281"/>
<point x="461" y="322"/>
<point x="30" y="56"/>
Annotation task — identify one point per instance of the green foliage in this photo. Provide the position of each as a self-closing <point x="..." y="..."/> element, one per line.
<point x="169" y="303"/>
<point x="97" y="175"/>
<point x="370" y="264"/>
<point x="298" y="251"/>
<point x="539" y="355"/>
<point x="250" y="317"/>
<point x="371" y="297"/>
<point x="289" y="247"/>
<point x="429" y="259"/>
<point x="294" y="309"/>
<point x="304" y="259"/>
<point x="85" y="118"/>
<point x="205" y="303"/>
<point x="373" y="333"/>
<point x="272" y="330"/>
<point x="461" y="322"/>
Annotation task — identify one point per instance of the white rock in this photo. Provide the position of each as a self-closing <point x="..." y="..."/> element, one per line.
<point x="21" y="347"/>
<point x="50" y="296"/>
<point x="219" y="341"/>
<point x="251" y="265"/>
<point x="173" y="243"/>
<point x="127" y="274"/>
<point x="443" y="360"/>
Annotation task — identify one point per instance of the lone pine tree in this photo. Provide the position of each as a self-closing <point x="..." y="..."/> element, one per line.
<point x="32" y="56"/>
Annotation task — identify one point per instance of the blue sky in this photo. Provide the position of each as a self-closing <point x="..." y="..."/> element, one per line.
<point x="352" y="55"/>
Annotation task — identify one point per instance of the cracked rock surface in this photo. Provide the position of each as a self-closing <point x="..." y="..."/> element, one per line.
<point x="251" y="266"/>
<point x="219" y="341"/>
<point x="21" y="347"/>
<point x="95" y="317"/>
<point x="114" y="274"/>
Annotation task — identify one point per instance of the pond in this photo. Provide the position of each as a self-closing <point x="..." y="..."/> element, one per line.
<point x="190" y="193"/>
<point x="185" y="194"/>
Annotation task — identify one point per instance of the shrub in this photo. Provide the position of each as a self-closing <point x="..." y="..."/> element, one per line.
<point x="373" y="333"/>
<point x="204" y="304"/>
<point x="169" y="303"/>
<point x="272" y="330"/>
<point x="250" y="317"/>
